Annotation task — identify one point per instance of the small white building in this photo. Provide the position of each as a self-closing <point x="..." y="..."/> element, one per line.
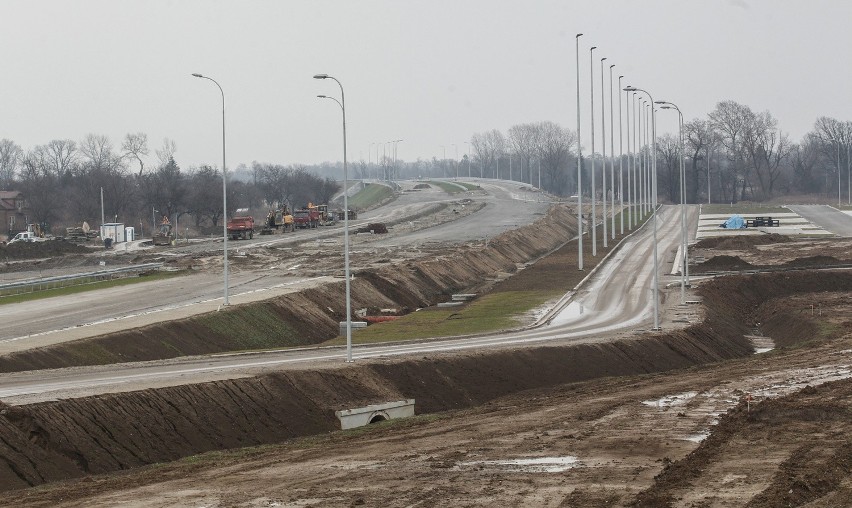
<point x="113" y="230"/>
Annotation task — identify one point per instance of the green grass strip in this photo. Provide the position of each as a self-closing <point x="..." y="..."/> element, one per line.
<point x="81" y="288"/>
<point x="491" y="312"/>
<point x="741" y="208"/>
<point x="370" y="195"/>
<point x="448" y="187"/>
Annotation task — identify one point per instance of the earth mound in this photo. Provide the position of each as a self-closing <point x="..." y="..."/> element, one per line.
<point x="35" y="250"/>
<point x="724" y="262"/>
<point x="741" y="242"/>
<point x="815" y="261"/>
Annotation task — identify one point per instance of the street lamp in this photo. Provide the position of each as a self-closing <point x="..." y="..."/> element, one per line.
<point x="654" y="201"/>
<point x="603" y="153"/>
<point x="342" y="104"/>
<point x="579" y="166"/>
<point x="684" y="276"/>
<point x="224" y="193"/>
<point x="592" y="94"/>
<point x="612" y="157"/>
<point x="468" y="158"/>
<point x="620" y="156"/>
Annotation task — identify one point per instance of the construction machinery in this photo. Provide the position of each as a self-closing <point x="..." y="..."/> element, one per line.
<point x="241" y="227"/>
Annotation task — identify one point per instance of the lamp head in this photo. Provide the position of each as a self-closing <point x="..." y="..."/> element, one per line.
<point x="602" y="59"/>
<point x="197" y="75"/>
<point x="320" y="76"/>
<point x="322" y="96"/>
<point x="661" y="102"/>
<point x="629" y="88"/>
<point x="593" y="48"/>
<point x="620" y="77"/>
<point x="579" y="35"/>
<point x="611" y="66"/>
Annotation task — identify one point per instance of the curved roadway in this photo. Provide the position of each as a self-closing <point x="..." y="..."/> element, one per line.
<point x="617" y="297"/>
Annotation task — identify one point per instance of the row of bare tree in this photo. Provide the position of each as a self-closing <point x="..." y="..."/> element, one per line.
<point x="63" y="181"/>
<point x="732" y="154"/>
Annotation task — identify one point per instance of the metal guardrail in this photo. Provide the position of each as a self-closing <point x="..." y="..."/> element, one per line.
<point x="31" y="285"/>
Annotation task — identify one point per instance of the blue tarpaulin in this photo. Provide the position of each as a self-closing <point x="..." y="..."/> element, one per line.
<point x="735" y="222"/>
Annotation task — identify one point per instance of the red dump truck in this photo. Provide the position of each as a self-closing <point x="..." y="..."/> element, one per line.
<point x="241" y="227"/>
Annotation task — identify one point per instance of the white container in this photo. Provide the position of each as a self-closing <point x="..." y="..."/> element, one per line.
<point x="129" y="234"/>
<point x="114" y="230"/>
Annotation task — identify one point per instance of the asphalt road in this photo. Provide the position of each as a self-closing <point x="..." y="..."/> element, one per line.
<point x="50" y="321"/>
<point x="616" y="297"/>
<point x="827" y="217"/>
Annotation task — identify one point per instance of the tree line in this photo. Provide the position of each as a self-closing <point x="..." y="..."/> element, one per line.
<point x="63" y="182"/>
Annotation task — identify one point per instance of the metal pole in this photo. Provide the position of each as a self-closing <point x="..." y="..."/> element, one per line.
<point x="612" y="157"/>
<point x="620" y="157"/>
<point x="603" y="154"/>
<point x="653" y="206"/>
<point x="224" y="195"/>
<point x="683" y="236"/>
<point x="636" y="169"/>
<point x="342" y="105"/>
<point x="102" y="206"/>
<point x="592" y="111"/>
<point x="579" y="167"/>
<point x="630" y="189"/>
<point x="709" y="153"/>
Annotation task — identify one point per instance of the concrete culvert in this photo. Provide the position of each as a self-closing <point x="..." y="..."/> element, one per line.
<point x="379" y="417"/>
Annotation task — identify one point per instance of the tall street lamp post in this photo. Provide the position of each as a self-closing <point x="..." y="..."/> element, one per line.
<point x="592" y="115"/>
<point x="612" y="157"/>
<point x="342" y="104"/>
<point x="620" y="157"/>
<point x="684" y="269"/>
<point x="654" y="204"/>
<point x="579" y="167"/>
<point x="603" y="154"/>
<point x="468" y="158"/>
<point x="224" y="195"/>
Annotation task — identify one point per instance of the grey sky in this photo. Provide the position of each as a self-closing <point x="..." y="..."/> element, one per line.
<point x="429" y="72"/>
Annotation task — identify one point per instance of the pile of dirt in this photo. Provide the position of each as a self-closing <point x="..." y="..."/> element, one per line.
<point x="723" y="263"/>
<point x="36" y="250"/>
<point x="740" y="242"/>
<point x="815" y="261"/>
<point x="420" y="186"/>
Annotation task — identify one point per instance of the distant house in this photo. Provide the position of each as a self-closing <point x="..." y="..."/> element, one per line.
<point x="14" y="211"/>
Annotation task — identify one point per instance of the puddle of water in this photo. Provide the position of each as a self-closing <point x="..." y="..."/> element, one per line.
<point x="569" y="313"/>
<point x="697" y="438"/>
<point x="536" y="465"/>
<point x="671" y="400"/>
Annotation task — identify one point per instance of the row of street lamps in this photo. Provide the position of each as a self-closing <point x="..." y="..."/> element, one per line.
<point x="342" y="104"/>
<point x="642" y="187"/>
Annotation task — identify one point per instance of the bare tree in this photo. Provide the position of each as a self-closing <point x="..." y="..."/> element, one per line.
<point x="668" y="158"/>
<point x="766" y="148"/>
<point x="554" y="151"/>
<point x="523" y="139"/>
<point x="732" y="120"/>
<point x="136" y="146"/>
<point x="700" y="139"/>
<point x="59" y="156"/>
<point x="10" y="158"/>
<point x="489" y="147"/>
<point x="166" y="153"/>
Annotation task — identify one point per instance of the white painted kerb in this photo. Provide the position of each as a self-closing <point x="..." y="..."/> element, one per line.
<point x="358" y="417"/>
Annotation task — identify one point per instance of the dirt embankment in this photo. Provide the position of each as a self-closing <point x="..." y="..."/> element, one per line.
<point x="66" y="439"/>
<point x="312" y="316"/>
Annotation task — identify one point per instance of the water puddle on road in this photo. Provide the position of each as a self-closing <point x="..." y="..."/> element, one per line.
<point x="671" y="400"/>
<point x="569" y="313"/>
<point x="532" y="465"/>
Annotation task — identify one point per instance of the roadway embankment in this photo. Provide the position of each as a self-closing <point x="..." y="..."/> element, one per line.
<point x="67" y="439"/>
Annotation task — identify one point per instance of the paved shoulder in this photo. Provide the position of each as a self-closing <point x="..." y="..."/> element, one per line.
<point x="827" y="217"/>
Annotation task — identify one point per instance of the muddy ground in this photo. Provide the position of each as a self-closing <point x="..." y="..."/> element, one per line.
<point x="635" y="423"/>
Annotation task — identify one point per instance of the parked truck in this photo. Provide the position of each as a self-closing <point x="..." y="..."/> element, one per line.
<point x="241" y="227"/>
<point x="308" y="217"/>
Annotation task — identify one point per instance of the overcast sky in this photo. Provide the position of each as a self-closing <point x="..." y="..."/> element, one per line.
<point x="429" y="72"/>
